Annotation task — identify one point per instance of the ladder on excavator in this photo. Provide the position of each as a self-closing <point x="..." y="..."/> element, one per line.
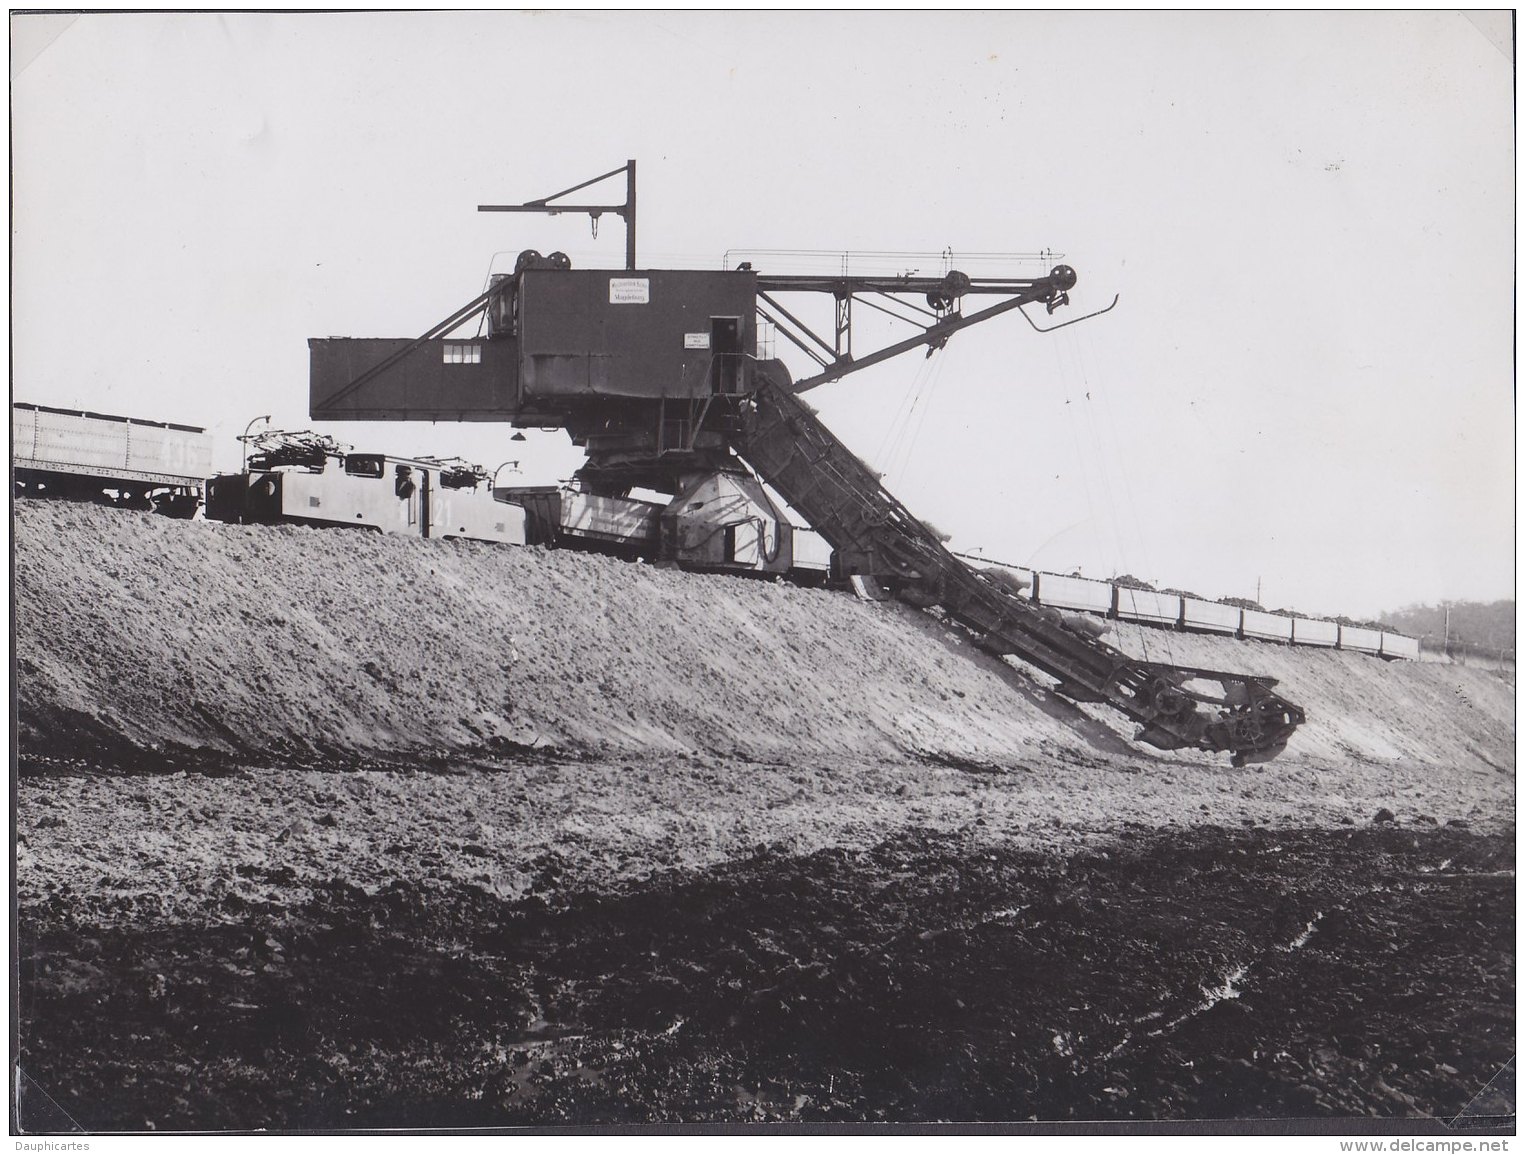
<point x="874" y="535"/>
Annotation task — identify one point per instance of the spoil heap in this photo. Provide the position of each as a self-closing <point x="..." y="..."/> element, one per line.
<point x="138" y="634"/>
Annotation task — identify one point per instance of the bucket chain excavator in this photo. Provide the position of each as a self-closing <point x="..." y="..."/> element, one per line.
<point x="656" y="374"/>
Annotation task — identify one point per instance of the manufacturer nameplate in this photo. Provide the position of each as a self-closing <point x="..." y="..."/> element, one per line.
<point x="629" y="291"/>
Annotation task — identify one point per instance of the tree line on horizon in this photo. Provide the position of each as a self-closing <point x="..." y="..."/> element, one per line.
<point x="1487" y="625"/>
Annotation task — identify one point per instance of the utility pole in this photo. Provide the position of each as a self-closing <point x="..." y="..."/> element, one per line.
<point x="626" y="210"/>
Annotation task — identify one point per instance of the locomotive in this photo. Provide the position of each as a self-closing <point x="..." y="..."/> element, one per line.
<point x="309" y="478"/>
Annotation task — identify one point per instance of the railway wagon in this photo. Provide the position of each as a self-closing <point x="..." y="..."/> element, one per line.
<point x="1210" y="617"/>
<point x="568" y="518"/>
<point x="1398" y="646"/>
<point x="1361" y="640"/>
<point x="1315" y="632"/>
<point x="1135" y="605"/>
<point x="392" y="495"/>
<point x="72" y="453"/>
<point x="558" y="515"/>
<point x="1072" y="593"/>
<point x="1266" y="627"/>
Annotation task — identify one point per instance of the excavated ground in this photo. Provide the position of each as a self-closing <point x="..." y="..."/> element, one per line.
<point x="319" y="829"/>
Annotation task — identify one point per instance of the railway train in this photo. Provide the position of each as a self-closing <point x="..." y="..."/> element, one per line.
<point x="1070" y="593"/>
<point x="308" y="478"/>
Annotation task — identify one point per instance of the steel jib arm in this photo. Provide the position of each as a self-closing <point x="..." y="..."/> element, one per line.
<point x="1052" y="290"/>
<point x="876" y="535"/>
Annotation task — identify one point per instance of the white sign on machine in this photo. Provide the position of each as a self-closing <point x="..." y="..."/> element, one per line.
<point x="629" y="290"/>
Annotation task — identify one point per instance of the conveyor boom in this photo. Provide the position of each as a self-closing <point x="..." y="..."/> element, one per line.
<point x="875" y="536"/>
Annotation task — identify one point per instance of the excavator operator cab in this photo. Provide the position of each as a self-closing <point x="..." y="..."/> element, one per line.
<point x="503" y="310"/>
<point x="405" y="486"/>
<point x="364" y="464"/>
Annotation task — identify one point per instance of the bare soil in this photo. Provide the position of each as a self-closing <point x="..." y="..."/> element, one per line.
<point x="1209" y="974"/>
<point x="316" y="829"/>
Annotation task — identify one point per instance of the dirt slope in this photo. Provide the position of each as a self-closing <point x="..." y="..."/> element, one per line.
<point x="752" y="811"/>
<point x="259" y="642"/>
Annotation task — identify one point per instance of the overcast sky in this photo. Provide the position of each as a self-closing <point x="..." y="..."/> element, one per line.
<point x="1307" y="382"/>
